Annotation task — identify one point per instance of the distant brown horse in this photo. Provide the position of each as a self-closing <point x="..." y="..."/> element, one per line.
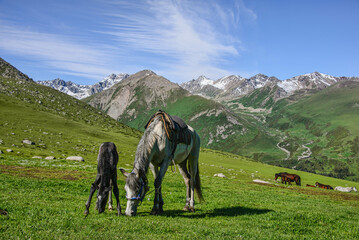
<point x="317" y="184"/>
<point x="288" y="178"/>
<point x="281" y="175"/>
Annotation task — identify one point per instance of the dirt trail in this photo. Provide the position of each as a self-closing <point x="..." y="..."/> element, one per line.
<point x="284" y="150"/>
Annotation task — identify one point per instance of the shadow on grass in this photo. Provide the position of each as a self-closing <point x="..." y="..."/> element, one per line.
<point x="226" y="212"/>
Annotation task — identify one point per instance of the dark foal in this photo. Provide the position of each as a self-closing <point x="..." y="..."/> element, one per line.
<point x="106" y="178"/>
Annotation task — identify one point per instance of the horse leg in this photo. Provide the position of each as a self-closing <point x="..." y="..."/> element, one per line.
<point x="186" y="177"/>
<point x="193" y="171"/>
<point x="110" y="208"/>
<point x="116" y="192"/>
<point x="158" y="175"/>
<point x="156" y="199"/>
<point x="92" y="191"/>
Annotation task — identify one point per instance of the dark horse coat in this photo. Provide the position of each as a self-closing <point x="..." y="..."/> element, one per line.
<point x="106" y="178"/>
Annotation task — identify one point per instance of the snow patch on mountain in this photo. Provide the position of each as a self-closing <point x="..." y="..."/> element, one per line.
<point x="235" y="86"/>
<point x="313" y="80"/>
<point x="82" y="91"/>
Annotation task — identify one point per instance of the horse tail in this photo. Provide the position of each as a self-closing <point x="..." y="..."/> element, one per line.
<point x="197" y="180"/>
<point x="197" y="186"/>
<point x="299" y="182"/>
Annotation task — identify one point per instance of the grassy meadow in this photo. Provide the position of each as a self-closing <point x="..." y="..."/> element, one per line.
<point x="45" y="199"/>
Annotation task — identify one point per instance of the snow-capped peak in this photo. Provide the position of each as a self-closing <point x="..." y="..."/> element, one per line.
<point x="313" y="80"/>
<point x="203" y="81"/>
<point x="83" y="91"/>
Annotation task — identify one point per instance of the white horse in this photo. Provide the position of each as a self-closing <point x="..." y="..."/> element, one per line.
<point x="346" y="189"/>
<point x="157" y="151"/>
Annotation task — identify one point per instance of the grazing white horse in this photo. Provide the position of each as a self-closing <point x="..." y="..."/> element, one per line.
<point x="156" y="151"/>
<point x="346" y="189"/>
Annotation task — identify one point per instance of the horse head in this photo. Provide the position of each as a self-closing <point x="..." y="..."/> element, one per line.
<point x="102" y="197"/>
<point x="276" y="176"/>
<point x="136" y="189"/>
<point x="355" y="189"/>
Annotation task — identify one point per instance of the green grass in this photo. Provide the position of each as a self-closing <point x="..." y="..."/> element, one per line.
<point x="42" y="205"/>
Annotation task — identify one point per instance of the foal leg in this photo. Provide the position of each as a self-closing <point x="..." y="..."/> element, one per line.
<point x="94" y="186"/>
<point x="186" y="177"/>
<point x="116" y="192"/>
<point x="110" y="208"/>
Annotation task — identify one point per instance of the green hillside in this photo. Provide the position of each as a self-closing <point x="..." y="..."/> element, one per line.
<point x="327" y="123"/>
<point x="58" y="124"/>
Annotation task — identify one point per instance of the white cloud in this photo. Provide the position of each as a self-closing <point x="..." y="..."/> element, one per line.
<point x="58" y="52"/>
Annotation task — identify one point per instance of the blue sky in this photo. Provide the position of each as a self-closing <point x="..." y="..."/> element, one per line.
<point x="85" y="40"/>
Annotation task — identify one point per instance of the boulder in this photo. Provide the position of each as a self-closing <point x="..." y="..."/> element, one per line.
<point x="1" y="152"/>
<point x="50" y="158"/>
<point x="38" y="157"/>
<point x="221" y="175"/>
<point x="75" y="158"/>
<point x="261" y="181"/>
<point x="9" y="150"/>
<point x="26" y="141"/>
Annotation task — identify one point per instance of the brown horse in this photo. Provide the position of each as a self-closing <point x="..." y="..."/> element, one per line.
<point x="288" y="178"/>
<point x="281" y="175"/>
<point x="317" y="184"/>
<point x="308" y="185"/>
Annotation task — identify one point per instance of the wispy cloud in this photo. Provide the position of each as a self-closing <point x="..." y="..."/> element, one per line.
<point x="179" y="39"/>
<point x="193" y="37"/>
<point x="58" y="52"/>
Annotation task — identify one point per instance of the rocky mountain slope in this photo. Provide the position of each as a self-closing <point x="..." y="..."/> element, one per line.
<point x="135" y="99"/>
<point x="228" y="87"/>
<point x="9" y="71"/>
<point x="83" y="91"/>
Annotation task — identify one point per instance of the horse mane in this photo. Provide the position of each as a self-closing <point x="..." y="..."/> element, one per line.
<point x="144" y="147"/>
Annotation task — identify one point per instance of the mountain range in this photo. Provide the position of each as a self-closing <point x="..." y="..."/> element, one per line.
<point x="235" y="86"/>
<point x="308" y="122"/>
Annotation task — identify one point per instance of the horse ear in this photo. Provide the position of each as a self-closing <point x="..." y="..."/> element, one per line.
<point x="124" y="172"/>
<point x="135" y="170"/>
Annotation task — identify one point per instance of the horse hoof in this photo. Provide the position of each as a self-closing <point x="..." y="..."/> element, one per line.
<point x="86" y="212"/>
<point x="186" y="209"/>
<point x="155" y="212"/>
<point x="191" y="209"/>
